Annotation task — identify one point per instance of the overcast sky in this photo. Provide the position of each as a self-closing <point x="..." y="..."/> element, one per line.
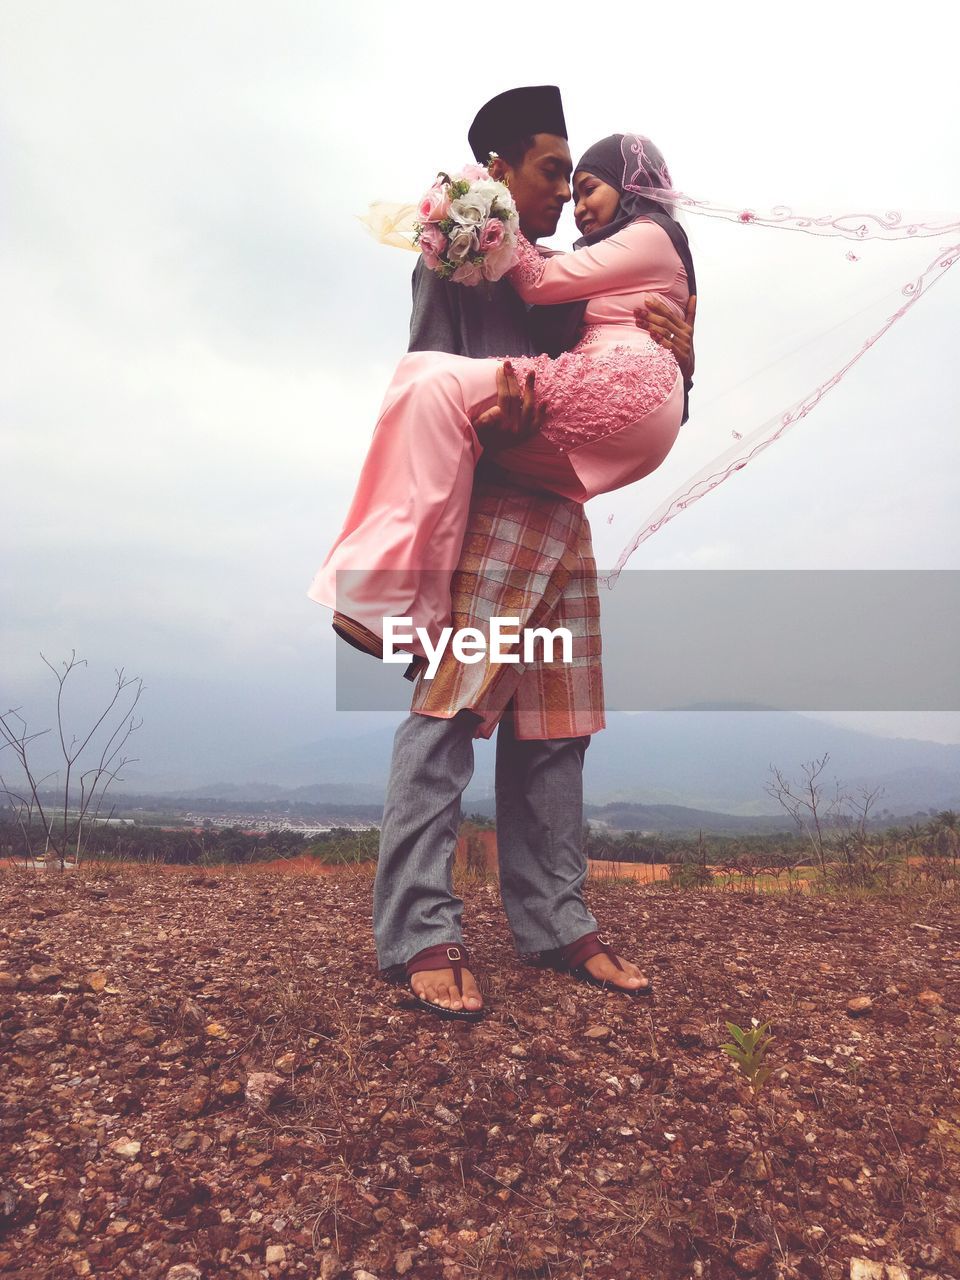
<point x="198" y="332"/>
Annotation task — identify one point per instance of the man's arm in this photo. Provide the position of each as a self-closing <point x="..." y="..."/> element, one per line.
<point x="515" y="417"/>
<point x="674" y="334"/>
<point x="669" y="331"/>
<point x="435" y="326"/>
<point x="435" y="318"/>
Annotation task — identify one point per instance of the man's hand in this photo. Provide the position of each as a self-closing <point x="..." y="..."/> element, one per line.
<point x="515" y="417"/>
<point x="676" y="335"/>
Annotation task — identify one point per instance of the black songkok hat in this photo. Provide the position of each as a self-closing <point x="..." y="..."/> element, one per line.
<point x="518" y="113"/>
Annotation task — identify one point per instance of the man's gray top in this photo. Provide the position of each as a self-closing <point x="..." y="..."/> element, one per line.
<point x="477" y="321"/>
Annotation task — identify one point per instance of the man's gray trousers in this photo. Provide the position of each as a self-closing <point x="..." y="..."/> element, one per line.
<point x="539" y="796"/>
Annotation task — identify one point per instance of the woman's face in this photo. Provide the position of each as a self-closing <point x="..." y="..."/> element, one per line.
<point x="596" y="202"/>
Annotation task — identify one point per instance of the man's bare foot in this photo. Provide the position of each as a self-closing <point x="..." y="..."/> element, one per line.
<point x="629" y="977"/>
<point x="438" y="987"/>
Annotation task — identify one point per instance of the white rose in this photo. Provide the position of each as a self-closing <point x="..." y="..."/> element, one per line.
<point x="469" y="210"/>
<point x="463" y="242"/>
<point x="489" y="190"/>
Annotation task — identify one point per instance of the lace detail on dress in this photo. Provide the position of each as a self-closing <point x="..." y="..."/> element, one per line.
<point x="588" y="396"/>
<point x="589" y="333"/>
<point x="529" y="265"/>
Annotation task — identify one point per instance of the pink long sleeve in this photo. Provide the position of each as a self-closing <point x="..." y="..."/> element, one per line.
<point x="641" y="256"/>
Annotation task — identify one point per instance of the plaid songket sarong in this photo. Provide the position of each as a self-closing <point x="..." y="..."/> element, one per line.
<point x="527" y="556"/>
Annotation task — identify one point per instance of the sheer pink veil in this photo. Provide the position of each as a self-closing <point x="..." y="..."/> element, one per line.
<point x="645" y="171"/>
<point x="645" y="174"/>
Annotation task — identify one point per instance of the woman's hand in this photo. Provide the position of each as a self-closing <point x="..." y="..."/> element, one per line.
<point x="515" y="417"/>
<point x="664" y="327"/>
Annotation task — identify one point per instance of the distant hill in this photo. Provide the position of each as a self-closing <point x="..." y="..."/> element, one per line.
<point x="717" y="761"/>
<point x="675" y="819"/>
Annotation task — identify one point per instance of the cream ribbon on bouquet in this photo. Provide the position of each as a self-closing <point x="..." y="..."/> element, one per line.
<point x="392" y="224"/>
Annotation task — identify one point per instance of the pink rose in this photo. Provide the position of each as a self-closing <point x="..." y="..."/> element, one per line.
<point x="474" y="173"/>
<point x="467" y="273"/>
<point x="433" y="245"/>
<point x="499" y="261"/>
<point x="491" y="237"/>
<point x="434" y="205"/>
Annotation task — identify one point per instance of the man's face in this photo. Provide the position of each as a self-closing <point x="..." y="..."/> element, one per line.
<point x="540" y="185"/>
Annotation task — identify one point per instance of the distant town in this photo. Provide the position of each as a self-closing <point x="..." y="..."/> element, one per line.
<point x="263" y="824"/>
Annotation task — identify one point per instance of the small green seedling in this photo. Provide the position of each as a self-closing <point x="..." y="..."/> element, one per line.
<point x="748" y="1050"/>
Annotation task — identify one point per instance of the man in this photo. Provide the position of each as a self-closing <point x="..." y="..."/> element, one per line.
<point x="545" y="712"/>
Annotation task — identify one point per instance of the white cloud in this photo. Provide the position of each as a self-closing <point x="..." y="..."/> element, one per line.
<point x="199" y="333"/>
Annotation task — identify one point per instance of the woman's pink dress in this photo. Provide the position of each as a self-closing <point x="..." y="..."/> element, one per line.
<point x="614" y="404"/>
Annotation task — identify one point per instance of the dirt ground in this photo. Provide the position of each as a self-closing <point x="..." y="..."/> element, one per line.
<point x="202" y="1076"/>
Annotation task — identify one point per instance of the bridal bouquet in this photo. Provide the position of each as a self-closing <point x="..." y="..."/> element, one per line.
<point x="467" y="227"/>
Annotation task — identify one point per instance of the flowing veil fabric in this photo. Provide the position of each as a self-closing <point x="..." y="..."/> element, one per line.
<point x="855" y="226"/>
<point x="393" y="224"/>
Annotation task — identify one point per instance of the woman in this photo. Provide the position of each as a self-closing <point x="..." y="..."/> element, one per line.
<point x="614" y="404"/>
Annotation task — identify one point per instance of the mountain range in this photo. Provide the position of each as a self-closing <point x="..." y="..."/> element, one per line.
<point x="718" y="760"/>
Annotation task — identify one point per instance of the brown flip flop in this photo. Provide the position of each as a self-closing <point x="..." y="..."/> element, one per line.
<point x="569" y="959"/>
<point x="450" y="955"/>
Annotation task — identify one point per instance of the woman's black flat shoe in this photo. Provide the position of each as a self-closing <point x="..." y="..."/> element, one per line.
<point x="442" y="956"/>
<point x="570" y="959"/>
